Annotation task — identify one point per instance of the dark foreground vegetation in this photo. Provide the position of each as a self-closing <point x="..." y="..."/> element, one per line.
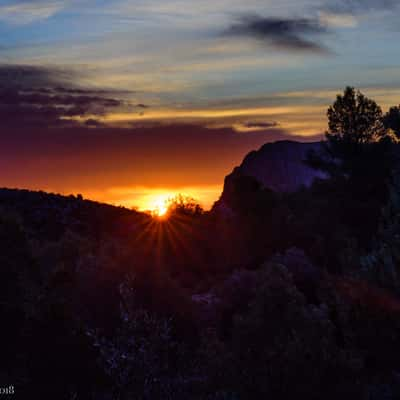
<point x="283" y="296"/>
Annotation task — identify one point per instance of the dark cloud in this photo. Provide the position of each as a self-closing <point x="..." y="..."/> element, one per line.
<point x="22" y="76"/>
<point x="93" y="123"/>
<point x="297" y="34"/>
<point x="36" y="96"/>
<point x="359" y="6"/>
<point x="260" y="125"/>
<point x="75" y="90"/>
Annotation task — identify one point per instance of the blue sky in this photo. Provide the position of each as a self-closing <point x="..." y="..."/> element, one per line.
<point x="181" y="52"/>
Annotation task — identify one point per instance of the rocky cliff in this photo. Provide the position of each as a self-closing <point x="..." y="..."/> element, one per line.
<point x="278" y="166"/>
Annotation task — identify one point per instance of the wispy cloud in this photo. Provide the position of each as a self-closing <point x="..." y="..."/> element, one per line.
<point x="360" y="6"/>
<point x="25" y="12"/>
<point x="348" y="13"/>
<point x="341" y="20"/>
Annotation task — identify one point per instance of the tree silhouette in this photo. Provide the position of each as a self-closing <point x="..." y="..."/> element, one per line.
<point x="391" y="120"/>
<point x="184" y="205"/>
<point x="355" y="126"/>
<point x="354" y="118"/>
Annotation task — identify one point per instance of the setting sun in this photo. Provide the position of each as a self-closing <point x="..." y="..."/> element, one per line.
<point x="158" y="204"/>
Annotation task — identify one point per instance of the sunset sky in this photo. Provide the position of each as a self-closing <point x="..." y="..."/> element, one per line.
<point x="125" y="101"/>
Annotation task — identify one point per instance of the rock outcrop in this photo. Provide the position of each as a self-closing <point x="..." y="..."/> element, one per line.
<point x="277" y="166"/>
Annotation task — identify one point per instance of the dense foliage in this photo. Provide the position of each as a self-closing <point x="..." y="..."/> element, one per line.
<point x="282" y="296"/>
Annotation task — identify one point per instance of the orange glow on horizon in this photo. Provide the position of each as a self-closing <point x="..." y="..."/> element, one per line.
<point x="154" y="201"/>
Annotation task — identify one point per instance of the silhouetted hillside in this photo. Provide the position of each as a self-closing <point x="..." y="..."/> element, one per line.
<point x="289" y="288"/>
<point x="50" y="215"/>
<point x="109" y="303"/>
